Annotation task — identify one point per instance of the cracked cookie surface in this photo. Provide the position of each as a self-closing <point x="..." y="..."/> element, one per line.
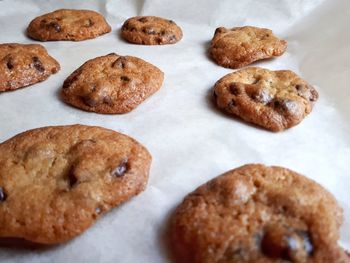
<point x="68" y="24"/>
<point x="111" y="84"/>
<point x="241" y="46"/>
<point x="57" y="181"/>
<point x="258" y="214"/>
<point x="275" y="100"/>
<point x="151" y="30"/>
<point x="22" y="65"/>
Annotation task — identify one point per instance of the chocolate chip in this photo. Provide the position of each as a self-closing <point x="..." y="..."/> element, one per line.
<point x="313" y="95"/>
<point x="231" y="104"/>
<point x="307" y="244"/>
<point x="262" y="96"/>
<point x="234" y="89"/>
<point x="149" y="31"/>
<point x="171" y="22"/>
<point x="128" y="27"/>
<point x="98" y="210"/>
<point x="119" y="63"/>
<point x="3" y="195"/>
<point x="89" y="23"/>
<point x="9" y="63"/>
<point x="172" y="38"/>
<point x="287" y="244"/>
<point x="55" y="26"/>
<point x="219" y="30"/>
<point x="143" y="19"/>
<point x="120" y="170"/>
<point x="125" y="78"/>
<point x="38" y="65"/>
<point x="72" y="179"/>
<point x="299" y="87"/>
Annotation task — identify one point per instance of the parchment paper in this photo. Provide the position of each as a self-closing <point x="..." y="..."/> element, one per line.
<point x="190" y="141"/>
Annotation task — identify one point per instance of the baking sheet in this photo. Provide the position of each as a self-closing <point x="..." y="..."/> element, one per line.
<point x="191" y="142"/>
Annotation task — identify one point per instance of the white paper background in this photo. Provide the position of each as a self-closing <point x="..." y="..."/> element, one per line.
<point x="191" y="142"/>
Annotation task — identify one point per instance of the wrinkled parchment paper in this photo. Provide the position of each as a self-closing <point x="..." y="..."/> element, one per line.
<point x="191" y="142"/>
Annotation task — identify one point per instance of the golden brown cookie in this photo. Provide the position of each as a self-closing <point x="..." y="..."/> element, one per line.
<point x="258" y="214"/>
<point x="274" y="100"/>
<point x="111" y="84"/>
<point x="151" y="30"/>
<point x="55" y="182"/>
<point x="68" y="24"/>
<point x="241" y="46"/>
<point x="23" y="65"/>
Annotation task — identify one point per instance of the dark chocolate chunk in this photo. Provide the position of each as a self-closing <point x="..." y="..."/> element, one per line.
<point x="119" y="63"/>
<point x="125" y="78"/>
<point x="38" y="65"/>
<point x="3" y="195"/>
<point x="55" y="26"/>
<point x="120" y="170"/>
<point x="287" y="244"/>
<point x="89" y="23"/>
<point x="143" y="19"/>
<point x="72" y="179"/>
<point x="234" y="89"/>
<point x="149" y="31"/>
<point x="9" y="63"/>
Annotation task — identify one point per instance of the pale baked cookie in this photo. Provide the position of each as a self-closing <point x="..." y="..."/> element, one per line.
<point x="22" y="65"/>
<point x="274" y="100"/>
<point x="55" y="182"/>
<point x="151" y="30"/>
<point x="68" y="24"/>
<point x="258" y="214"/>
<point x="240" y="46"/>
<point x="111" y="84"/>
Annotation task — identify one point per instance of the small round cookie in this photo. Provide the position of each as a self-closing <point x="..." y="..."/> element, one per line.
<point x="68" y="24"/>
<point x="151" y="30"/>
<point x="274" y="100"/>
<point x="57" y="181"/>
<point x="241" y="46"/>
<point x="24" y="64"/>
<point x="111" y="84"/>
<point x="257" y="214"/>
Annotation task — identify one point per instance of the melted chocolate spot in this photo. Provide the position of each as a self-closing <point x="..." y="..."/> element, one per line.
<point x="143" y="19"/>
<point x="9" y="63"/>
<point x="234" y="89"/>
<point x="121" y="169"/>
<point x="3" y="195"/>
<point x="55" y="26"/>
<point x="125" y="78"/>
<point x="38" y="65"/>
<point x="231" y="104"/>
<point x="149" y="31"/>
<point x="89" y="23"/>
<point x="171" y="22"/>
<point x="128" y="27"/>
<point x="172" y="38"/>
<point x="314" y="95"/>
<point x="219" y="30"/>
<point x="120" y="63"/>
<point x="287" y="244"/>
<point x="72" y="179"/>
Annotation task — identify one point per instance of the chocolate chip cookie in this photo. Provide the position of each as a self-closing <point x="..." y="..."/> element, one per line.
<point x="258" y="214"/>
<point x="68" y="24"/>
<point x="274" y="100"/>
<point x="240" y="46"/>
<point x="55" y="182"/>
<point x="111" y="84"/>
<point x="22" y="65"/>
<point x="151" y="30"/>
